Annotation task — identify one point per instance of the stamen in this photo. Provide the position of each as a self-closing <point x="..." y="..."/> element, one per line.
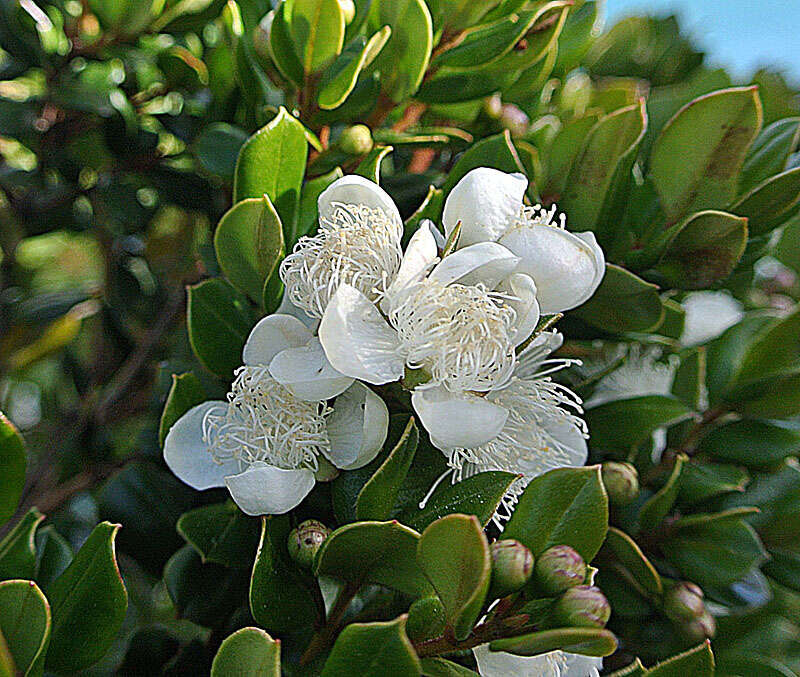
<point x="438" y="481"/>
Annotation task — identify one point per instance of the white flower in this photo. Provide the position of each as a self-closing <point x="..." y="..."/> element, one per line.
<point x="566" y="267"/>
<point x="709" y="314"/>
<point x="265" y="442"/>
<point x="641" y="373"/>
<point x="553" y="664"/>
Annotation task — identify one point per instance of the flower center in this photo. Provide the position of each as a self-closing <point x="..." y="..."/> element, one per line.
<point x="460" y="334"/>
<point x="537" y="215"/>
<point x="356" y="245"/>
<point x="264" y="422"/>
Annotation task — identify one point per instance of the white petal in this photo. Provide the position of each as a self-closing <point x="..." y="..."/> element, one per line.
<point x="566" y="267"/>
<point x="708" y="314"/>
<point x="553" y="664"/>
<point x="570" y="437"/>
<point x="437" y="234"/>
<point x="307" y="374"/>
<point x="484" y="262"/>
<point x="522" y="287"/>
<point x="420" y="255"/>
<point x="486" y="201"/>
<point x="187" y="455"/>
<point x="357" y="427"/>
<point x="358" y="341"/>
<point x="458" y="419"/>
<point x="266" y="490"/>
<point x="357" y="190"/>
<point x="288" y="308"/>
<point x="273" y="334"/>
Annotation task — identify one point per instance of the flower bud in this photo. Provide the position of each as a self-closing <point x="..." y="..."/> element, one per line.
<point x="684" y="602"/>
<point x="356" y="140"/>
<point x="514" y="119"/>
<point x="621" y="482"/>
<point x="493" y="106"/>
<point x="583" y="606"/>
<point x="558" y="569"/>
<point x="512" y="566"/>
<point x="348" y="9"/>
<point x="701" y="628"/>
<point x="426" y="619"/>
<point x="305" y="540"/>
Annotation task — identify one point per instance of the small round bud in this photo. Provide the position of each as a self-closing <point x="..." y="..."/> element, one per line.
<point x="426" y="619"/>
<point x="621" y="482"/>
<point x="493" y="106"/>
<point x="701" y="628"/>
<point x="348" y="9"/>
<point x="356" y="140"/>
<point x="514" y="119"/>
<point x="512" y="566"/>
<point x="305" y="540"/>
<point x="584" y="606"/>
<point x="684" y="602"/>
<point x="558" y="569"/>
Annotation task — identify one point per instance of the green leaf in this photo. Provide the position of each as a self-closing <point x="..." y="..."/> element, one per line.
<point x="373" y="650"/>
<point x="623" y="549"/>
<point x="312" y="189"/>
<point x="53" y="555"/>
<point x="383" y="553"/>
<point x="756" y="444"/>
<point x="370" y="166"/>
<point x="272" y="162"/>
<point x="734" y="665"/>
<point x="249" y="652"/>
<point x="659" y="504"/>
<point x="89" y="602"/>
<point x="217" y="148"/>
<point x="601" y="172"/>
<point x="184" y="393"/>
<point x="620" y="426"/>
<point x="623" y="302"/>
<point x="566" y="506"/>
<point x="784" y="567"/>
<point x="218" y="320"/>
<point x="13" y="463"/>
<point x="317" y="31"/>
<point x="689" y="383"/>
<point x="440" y="667"/>
<point x="454" y="554"/>
<point x="771" y="203"/>
<point x="477" y="495"/>
<point x="377" y="498"/>
<point x="18" y="550"/>
<point x="697" y="662"/>
<point x="704" y="249"/>
<point x="25" y="625"/>
<point x="456" y="15"/>
<point x="564" y="149"/>
<point x="696" y="160"/>
<point x="769" y="153"/>
<point x="281" y="48"/>
<point x="585" y="641"/>
<point x="221" y="533"/>
<point x="404" y="59"/>
<point x="496" y="151"/>
<point x="340" y="79"/>
<point x="635" y="669"/>
<point x="249" y="245"/>
<point x="701" y="481"/>
<point x="280" y="597"/>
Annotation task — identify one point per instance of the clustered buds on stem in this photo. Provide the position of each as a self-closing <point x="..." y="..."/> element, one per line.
<point x="305" y="540"/>
<point x="621" y="481"/>
<point x="684" y="606"/>
<point x="512" y="566"/>
<point x="558" y="569"/>
<point x="582" y="606"/>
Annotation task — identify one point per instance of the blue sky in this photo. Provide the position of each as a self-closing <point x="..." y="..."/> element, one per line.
<point x="738" y="34"/>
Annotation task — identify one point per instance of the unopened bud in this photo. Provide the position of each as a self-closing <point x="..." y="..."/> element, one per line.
<point x="348" y="9"/>
<point x="512" y="566"/>
<point x="356" y="140"/>
<point x="558" y="569"/>
<point x="493" y="106"/>
<point x="704" y="627"/>
<point x="684" y="602"/>
<point x="514" y="119"/>
<point x="305" y="540"/>
<point x="426" y="619"/>
<point x="621" y="482"/>
<point x="584" y="606"/>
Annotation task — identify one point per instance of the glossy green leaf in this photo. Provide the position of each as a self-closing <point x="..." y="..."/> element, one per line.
<point x="312" y="189"/>
<point x="563" y="151"/>
<point x="404" y="59"/>
<point x="317" y="32"/>
<point x="769" y="153"/>
<point x="635" y="669"/>
<point x="272" y="162"/>
<point x="566" y="506"/>
<point x="218" y="320"/>
<point x="620" y="426"/>
<point x="454" y="554"/>
<point x="249" y="652"/>
<point x="440" y="667"/>
<point x="13" y="463"/>
<point x="373" y="650"/>
<point x="88" y="602"/>
<point x="456" y="15"/>
<point x="622" y="548"/>
<point x="784" y="567"/>
<point x="771" y="203"/>
<point x="280" y="596"/>
<point x="217" y="148"/>
<point x="659" y="504"/>
<point x="383" y="553"/>
<point x="377" y="498"/>
<point x="370" y="166"/>
<point x="496" y="151"/>
<point x="25" y="625"/>
<point x="281" y="47"/>
<point x="732" y="665"/>
<point x="249" y="245"/>
<point x="689" y="382"/>
<point x="585" y="641"/>
<point x="697" y="662"/>
<point x="623" y="302"/>
<point x="53" y="555"/>
<point x="756" y="444"/>
<point x="221" y="533"/>
<point x="696" y="160"/>
<point x="184" y="393"/>
<point x="477" y="495"/>
<point x="18" y="550"/>
<point x="702" y="481"/>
